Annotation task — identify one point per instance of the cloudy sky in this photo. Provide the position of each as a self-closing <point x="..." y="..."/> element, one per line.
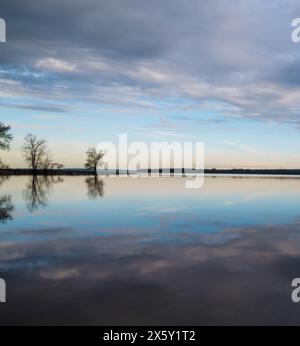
<point x="223" y="72"/>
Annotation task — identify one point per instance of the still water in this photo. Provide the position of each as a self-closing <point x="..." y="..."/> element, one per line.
<point x="138" y="251"/>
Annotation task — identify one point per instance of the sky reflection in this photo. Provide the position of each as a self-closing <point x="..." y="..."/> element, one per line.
<point x="218" y="255"/>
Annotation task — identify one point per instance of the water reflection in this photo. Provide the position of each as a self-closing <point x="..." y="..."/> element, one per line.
<point x="3" y="179"/>
<point x="154" y="253"/>
<point x="38" y="189"/>
<point x="6" y="206"/>
<point x="95" y="187"/>
<point x="129" y="281"/>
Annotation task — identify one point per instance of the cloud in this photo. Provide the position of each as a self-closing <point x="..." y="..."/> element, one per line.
<point x="56" y="65"/>
<point x="60" y="274"/>
<point x="40" y="107"/>
<point x="193" y="278"/>
<point x="236" y="57"/>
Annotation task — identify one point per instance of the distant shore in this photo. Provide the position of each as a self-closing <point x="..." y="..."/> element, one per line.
<point x="214" y="171"/>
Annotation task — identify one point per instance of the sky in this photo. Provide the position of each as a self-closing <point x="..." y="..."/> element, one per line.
<point x="225" y="73"/>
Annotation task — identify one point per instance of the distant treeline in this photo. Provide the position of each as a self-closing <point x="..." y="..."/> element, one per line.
<point x="253" y="171"/>
<point x="82" y="171"/>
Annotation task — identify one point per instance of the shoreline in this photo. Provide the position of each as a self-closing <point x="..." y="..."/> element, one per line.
<point x="86" y="172"/>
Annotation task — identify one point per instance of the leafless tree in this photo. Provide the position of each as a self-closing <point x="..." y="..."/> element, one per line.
<point x="35" y="152"/>
<point x="93" y="157"/>
<point x="56" y="165"/>
<point x="46" y="162"/>
<point x="3" y="165"/>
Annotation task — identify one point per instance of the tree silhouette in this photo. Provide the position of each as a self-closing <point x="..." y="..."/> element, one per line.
<point x="3" y="165"/>
<point x="93" y="157"/>
<point x="5" y="137"/>
<point x="35" y="151"/>
<point x="56" y="165"/>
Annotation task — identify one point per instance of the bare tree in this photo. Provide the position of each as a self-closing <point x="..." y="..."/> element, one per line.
<point x="93" y="157"/>
<point x="5" y="137"/>
<point x="35" y="151"/>
<point x="3" y="165"/>
<point x="47" y="161"/>
<point x="56" y="165"/>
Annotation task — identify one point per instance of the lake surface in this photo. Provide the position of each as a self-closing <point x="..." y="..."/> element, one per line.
<point x="147" y="251"/>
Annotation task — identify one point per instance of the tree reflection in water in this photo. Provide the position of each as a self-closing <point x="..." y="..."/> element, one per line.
<point x="38" y="189"/>
<point x="3" y="179"/>
<point x="6" y="206"/>
<point x="95" y="187"/>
